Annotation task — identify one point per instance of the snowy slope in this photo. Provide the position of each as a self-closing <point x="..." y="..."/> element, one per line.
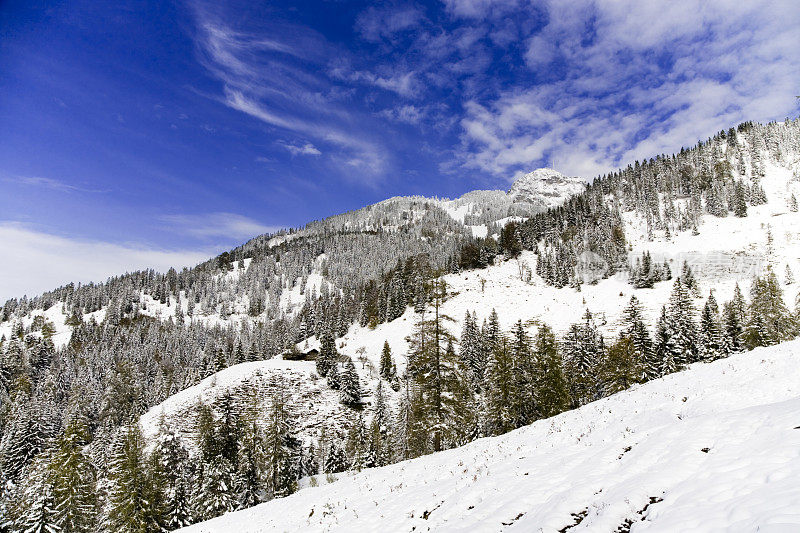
<point x="713" y="448"/>
<point x="314" y="405"/>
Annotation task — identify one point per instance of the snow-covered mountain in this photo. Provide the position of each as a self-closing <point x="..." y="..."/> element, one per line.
<point x="181" y="351"/>
<point x="713" y="448"/>
<point x="545" y="188"/>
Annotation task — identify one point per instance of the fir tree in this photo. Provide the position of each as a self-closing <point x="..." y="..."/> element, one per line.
<point x="680" y="315"/>
<point x="328" y="356"/>
<point x="357" y="445"/>
<point x="173" y="458"/>
<point x="335" y="460"/>
<point x="710" y="335"/>
<point x="350" y="386"/>
<point x="583" y="348"/>
<point x="647" y="363"/>
<point x="134" y="501"/>
<point x="388" y="371"/>
<point x="500" y="390"/>
<point x="552" y="394"/>
<point x="524" y="405"/>
<point x="73" y="478"/>
<point x="620" y="367"/>
<point x="281" y="449"/>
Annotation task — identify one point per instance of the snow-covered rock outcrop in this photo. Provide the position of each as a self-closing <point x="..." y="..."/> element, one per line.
<point x="545" y="188"/>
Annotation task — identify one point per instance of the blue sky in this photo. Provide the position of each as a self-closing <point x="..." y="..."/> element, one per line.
<point x="157" y="133"/>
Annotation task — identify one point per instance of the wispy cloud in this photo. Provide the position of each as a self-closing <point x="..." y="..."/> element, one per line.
<point x="298" y="149"/>
<point x="44" y="261"/>
<point x="280" y="80"/>
<point x="49" y="183"/>
<point x="217" y="225"/>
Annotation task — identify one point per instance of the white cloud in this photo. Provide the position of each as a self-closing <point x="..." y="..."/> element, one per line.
<point x="215" y="225"/>
<point x="49" y="183"/>
<point x="305" y="149"/>
<point x="478" y="9"/>
<point x="376" y="23"/>
<point x="639" y="79"/>
<point x="35" y="261"/>
<point x="270" y="79"/>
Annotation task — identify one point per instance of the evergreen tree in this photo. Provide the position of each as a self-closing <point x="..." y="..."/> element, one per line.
<point x="328" y="356"/>
<point x="388" y="371"/>
<point x="73" y="478"/>
<point x="769" y="319"/>
<point x="252" y="466"/>
<point x="680" y="315"/>
<point x="350" y="386"/>
<point x="740" y="200"/>
<point x="174" y="458"/>
<point x="710" y="334"/>
<point x="216" y="495"/>
<point x="379" y="444"/>
<point x="335" y="460"/>
<point x="500" y="390"/>
<point x="583" y="349"/>
<point x="472" y="353"/>
<point x="645" y="359"/>
<point x="524" y="404"/>
<point x="357" y="445"/>
<point x="135" y="504"/>
<point x="281" y="448"/>
<point x="552" y="394"/>
<point x="620" y="367"/>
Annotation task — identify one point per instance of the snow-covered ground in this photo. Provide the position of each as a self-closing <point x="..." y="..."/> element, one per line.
<point x="713" y="448"/>
<point x="315" y="405"/>
<point x="53" y="314"/>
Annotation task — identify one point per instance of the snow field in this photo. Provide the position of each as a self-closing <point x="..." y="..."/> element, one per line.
<point x="713" y="448"/>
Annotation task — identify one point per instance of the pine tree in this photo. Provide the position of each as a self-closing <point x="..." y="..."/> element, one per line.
<point x="328" y="356"/>
<point x="335" y="460"/>
<point x="788" y="278"/>
<point x="174" y="458"/>
<point x="379" y="445"/>
<point x="500" y="387"/>
<point x="134" y="501"/>
<point x="73" y="479"/>
<point x="667" y="351"/>
<point x="524" y="404"/>
<point x="216" y="496"/>
<point x="36" y="509"/>
<point x="388" y="371"/>
<point x="350" y="386"/>
<point x="357" y="445"/>
<point x="281" y="448"/>
<point x="740" y="200"/>
<point x="583" y="349"/>
<point x="472" y="353"/>
<point x="252" y="465"/>
<point x="769" y="319"/>
<point x="334" y="378"/>
<point x="442" y="396"/>
<point x="680" y="315"/>
<point x="620" y="367"/>
<point x="647" y="363"/>
<point x="552" y="394"/>
<point x="710" y="335"/>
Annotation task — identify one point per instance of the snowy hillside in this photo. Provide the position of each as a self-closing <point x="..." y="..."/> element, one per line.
<point x="713" y="448"/>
